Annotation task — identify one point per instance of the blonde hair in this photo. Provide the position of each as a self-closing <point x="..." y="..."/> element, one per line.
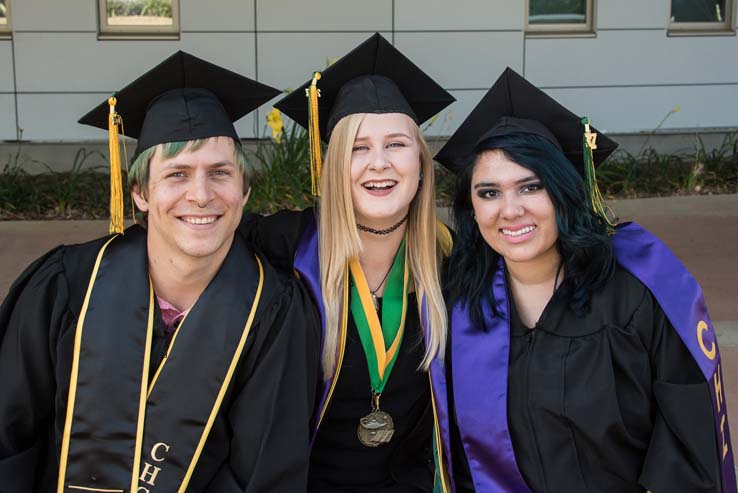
<point x="339" y="242"/>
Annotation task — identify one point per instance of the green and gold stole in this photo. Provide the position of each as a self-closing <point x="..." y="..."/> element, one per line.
<point x="123" y="433"/>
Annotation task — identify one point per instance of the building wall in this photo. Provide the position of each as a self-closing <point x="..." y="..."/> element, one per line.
<point x="626" y="78"/>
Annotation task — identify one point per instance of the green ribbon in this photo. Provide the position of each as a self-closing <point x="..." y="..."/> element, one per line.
<point x="394" y="307"/>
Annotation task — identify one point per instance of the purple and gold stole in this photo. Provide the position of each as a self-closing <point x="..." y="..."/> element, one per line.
<point x="480" y="360"/>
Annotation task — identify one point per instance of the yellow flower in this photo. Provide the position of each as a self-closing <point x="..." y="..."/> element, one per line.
<point x="274" y="121"/>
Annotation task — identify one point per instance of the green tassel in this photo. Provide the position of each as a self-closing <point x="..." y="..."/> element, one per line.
<point x="590" y="179"/>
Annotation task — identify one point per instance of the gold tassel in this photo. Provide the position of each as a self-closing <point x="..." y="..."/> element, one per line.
<point x="316" y="161"/>
<point x="589" y="143"/>
<point x="116" y="178"/>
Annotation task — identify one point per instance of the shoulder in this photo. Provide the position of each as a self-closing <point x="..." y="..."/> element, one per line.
<point x="277" y="235"/>
<point x="62" y="260"/>
<point x="626" y="301"/>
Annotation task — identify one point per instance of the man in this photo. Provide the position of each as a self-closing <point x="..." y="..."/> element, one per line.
<point x="171" y="357"/>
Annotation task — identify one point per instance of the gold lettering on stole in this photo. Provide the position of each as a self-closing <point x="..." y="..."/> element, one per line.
<point x="718" y="388"/>
<point x="722" y="432"/>
<point x="719" y="400"/>
<point x="701" y="329"/>
<point x="157" y="447"/>
<point x="149" y="473"/>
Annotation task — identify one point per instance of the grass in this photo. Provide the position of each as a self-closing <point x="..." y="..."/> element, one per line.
<point x="282" y="179"/>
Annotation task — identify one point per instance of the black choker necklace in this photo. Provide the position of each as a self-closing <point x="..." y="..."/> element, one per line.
<point x="382" y="232"/>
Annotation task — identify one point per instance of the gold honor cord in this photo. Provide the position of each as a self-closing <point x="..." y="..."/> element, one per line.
<point x="384" y="356"/>
<point x="437" y="439"/>
<point x="144" y="395"/>
<point x="63" y="455"/>
<point x="226" y="381"/>
<point x="166" y="355"/>
<point x="341" y="349"/>
<point x="98" y="490"/>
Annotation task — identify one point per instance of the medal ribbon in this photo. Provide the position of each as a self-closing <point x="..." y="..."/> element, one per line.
<point x="375" y="336"/>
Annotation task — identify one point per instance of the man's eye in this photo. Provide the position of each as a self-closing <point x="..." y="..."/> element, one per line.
<point x="221" y="172"/>
<point x="176" y="174"/>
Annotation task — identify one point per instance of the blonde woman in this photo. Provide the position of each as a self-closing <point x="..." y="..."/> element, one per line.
<point x="371" y="257"/>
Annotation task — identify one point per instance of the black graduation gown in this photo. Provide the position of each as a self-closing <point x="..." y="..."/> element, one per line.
<point x="339" y="462"/>
<point x="611" y="402"/>
<point x="259" y="438"/>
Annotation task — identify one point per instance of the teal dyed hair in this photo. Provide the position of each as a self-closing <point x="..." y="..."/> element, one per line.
<point x="583" y="241"/>
<point x="139" y="172"/>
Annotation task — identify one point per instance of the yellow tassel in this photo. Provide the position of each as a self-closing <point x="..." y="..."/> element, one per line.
<point x="316" y="160"/>
<point x="116" y="178"/>
<point x="597" y="202"/>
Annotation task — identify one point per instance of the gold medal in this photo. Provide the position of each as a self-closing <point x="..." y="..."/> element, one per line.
<point x="377" y="427"/>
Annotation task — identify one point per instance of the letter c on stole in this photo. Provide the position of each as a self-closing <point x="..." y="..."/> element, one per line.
<point x="701" y="329"/>
<point x="157" y="447"/>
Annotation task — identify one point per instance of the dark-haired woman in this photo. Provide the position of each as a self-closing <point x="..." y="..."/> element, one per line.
<point x="582" y="358"/>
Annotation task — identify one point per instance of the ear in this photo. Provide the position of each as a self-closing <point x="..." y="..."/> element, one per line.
<point x="139" y="198"/>
<point x="246" y="197"/>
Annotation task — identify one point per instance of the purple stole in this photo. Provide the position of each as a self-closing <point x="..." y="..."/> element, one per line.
<point x="307" y="265"/>
<point x="480" y="361"/>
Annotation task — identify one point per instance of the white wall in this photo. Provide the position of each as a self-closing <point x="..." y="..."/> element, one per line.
<point x="626" y="78"/>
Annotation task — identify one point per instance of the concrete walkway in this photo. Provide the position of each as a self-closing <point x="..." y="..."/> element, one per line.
<point x="701" y="230"/>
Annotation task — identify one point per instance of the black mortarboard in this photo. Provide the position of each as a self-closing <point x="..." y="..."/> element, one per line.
<point x="514" y="105"/>
<point x="373" y="78"/>
<point x="181" y="99"/>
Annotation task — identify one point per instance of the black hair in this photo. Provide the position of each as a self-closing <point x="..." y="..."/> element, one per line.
<point x="583" y="241"/>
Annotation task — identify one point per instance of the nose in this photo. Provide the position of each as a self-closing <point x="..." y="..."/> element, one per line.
<point x="378" y="160"/>
<point x="512" y="206"/>
<point x="200" y="191"/>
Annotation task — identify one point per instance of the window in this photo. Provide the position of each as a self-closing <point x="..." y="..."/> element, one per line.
<point x="701" y="16"/>
<point x="136" y="18"/>
<point x="560" y="16"/>
<point x="4" y="17"/>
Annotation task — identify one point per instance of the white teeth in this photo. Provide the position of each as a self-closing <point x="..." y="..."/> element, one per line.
<point x="200" y="220"/>
<point x="518" y="232"/>
<point x="379" y="185"/>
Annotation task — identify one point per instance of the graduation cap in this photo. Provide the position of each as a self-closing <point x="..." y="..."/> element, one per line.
<point x="183" y="98"/>
<point x="512" y="106"/>
<point x="374" y="77"/>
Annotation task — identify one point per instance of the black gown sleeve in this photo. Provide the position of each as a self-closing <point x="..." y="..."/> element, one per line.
<point x="31" y="316"/>
<point x="682" y="454"/>
<point x="276" y="236"/>
<point x="269" y="417"/>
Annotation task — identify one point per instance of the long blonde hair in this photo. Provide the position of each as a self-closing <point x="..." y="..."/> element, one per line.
<point x="339" y="242"/>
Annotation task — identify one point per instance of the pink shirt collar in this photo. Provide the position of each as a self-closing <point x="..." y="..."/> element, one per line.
<point x="170" y="314"/>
